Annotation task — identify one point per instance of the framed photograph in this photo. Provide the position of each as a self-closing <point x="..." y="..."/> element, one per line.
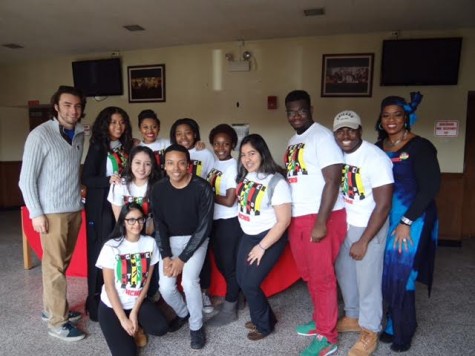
<point x="146" y="83"/>
<point x="347" y="75"/>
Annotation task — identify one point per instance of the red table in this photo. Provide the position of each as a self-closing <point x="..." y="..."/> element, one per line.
<point x="282" y="276"/>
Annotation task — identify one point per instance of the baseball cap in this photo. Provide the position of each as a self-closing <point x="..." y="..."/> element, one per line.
<point x="346" y="118"/>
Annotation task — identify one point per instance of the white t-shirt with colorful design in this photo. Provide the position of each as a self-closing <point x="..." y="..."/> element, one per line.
<point x="131" y="262"/>
<point x="223" y="177"/>
<point x="202" y="162"/>
<point x="158" y="147"/>
<point x="255" y="211"/>
<point x="366" y="168"/>
<point x="119" y="194"/>
<point x="306" y="155"/>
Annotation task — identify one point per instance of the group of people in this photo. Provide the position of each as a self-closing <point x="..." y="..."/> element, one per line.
<point x="355" y="214"/>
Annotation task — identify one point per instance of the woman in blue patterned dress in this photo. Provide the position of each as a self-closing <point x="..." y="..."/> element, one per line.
<point x="413" y="232"/>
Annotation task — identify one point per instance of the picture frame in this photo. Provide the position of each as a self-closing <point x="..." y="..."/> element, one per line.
<point x="146" y="83"/>
<point x="347" y="75"/>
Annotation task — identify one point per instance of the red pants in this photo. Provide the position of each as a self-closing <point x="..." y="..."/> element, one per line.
<point x="316" y="264"/>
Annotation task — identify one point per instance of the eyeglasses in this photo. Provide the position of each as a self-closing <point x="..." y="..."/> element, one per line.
<point x="132" y="221"/>
<point x="301" y="112"/>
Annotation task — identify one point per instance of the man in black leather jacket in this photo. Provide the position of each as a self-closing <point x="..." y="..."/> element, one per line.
<point x="182" y="206"/>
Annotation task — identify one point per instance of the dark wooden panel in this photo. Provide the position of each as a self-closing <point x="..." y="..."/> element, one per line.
<point x="449" y="205"/>
<point x="10" y="194"/>
<point x="468" y="210"/>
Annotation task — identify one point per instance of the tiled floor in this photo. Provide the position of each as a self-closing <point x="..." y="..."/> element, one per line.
<point x="446" y="320"/>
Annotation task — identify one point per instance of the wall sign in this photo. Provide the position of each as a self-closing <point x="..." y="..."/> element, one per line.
<point x="446" y="128"/>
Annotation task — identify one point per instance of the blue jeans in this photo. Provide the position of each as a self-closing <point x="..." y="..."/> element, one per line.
<point x="250" y="277"/>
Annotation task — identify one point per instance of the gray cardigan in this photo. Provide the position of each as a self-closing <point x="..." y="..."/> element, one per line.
<point x="49" y="178"/>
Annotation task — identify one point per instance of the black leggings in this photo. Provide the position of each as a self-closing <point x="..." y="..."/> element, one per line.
<point x="225" y="238"/>
<point x="120" y="343"/>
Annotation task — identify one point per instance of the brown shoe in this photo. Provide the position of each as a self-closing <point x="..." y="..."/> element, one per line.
<point x="255" y="335"/>
<point x="250" y="325"/>
<point x="366" y="345"/>
<point x="140" y="338"/>
<point x="346" y="324"/>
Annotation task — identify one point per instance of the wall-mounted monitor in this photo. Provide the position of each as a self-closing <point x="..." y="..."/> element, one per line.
<point x="429" y="61"/>
<point x="100" y="77"/>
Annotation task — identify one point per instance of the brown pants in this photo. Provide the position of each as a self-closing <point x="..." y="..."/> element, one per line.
<point x="58" y="247"/>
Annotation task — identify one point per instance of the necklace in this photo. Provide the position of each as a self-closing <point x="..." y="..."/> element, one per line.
<point x="398" y="141"/>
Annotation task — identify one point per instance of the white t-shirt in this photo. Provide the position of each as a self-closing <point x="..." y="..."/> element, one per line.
<point x="201" y="162"/>
<point x="131" y="262"/>
<point x="306" y="155"/>
<point x="223" y="177"/>
<point x="255" y="212"/>
<point x="366" y="168"/>
<point x="120" y="193"/>
<point x="158" y="147"/>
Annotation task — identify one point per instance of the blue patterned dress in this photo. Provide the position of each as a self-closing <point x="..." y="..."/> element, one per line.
<point x="416" y="182"/>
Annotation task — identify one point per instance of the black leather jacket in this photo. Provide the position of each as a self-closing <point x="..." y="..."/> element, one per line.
<point x="186" y="211"/>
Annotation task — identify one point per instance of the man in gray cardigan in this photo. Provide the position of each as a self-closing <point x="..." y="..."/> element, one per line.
<point x="49" y="181"/>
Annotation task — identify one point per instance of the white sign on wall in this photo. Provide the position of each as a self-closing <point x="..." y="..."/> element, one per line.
<point x="446" y="128"/>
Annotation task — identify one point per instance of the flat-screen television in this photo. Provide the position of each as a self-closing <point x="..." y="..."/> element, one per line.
<point x="430" y="61"/>
<point x="100" y="77"/>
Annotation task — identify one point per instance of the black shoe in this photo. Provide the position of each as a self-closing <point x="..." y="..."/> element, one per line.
<point x="177" y="323"/>
<point x="400" y="347"/>
<point x="386" y="338"/>
<point x="198" y="338"/>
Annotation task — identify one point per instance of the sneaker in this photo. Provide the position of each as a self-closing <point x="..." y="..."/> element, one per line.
<point x="73" y="316"/>
<point x="366" y="345"/>
<point x="207" y="305"/>
<point x="177" y="323"/>
<point x="346" y="324"/>
<point x="308" y="329"/>
<point x="67" y="332"/>
<point x="140" y="338"/>
<point x="198" y="338"/>
<point x="319" y="346"/>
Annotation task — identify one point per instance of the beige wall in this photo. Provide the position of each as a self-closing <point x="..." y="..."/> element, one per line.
<point x="200" y="86"/>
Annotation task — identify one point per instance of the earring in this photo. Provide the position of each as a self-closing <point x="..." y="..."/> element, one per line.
<point x="405" y="124"/>
<point x="380" y="127"/>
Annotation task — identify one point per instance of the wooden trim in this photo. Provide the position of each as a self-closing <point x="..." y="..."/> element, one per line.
<point x="449" y="205"/>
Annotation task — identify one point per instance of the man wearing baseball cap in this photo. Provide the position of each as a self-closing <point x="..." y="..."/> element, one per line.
<point x="367" y="186"/>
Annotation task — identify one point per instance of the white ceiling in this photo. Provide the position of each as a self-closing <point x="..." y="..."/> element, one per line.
<point x="48" y="28"/>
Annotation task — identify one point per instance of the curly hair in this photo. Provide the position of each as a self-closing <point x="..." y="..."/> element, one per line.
<point x="185" y="121"/>
<point x="224" y="129"/>
<point x="100" y="129"/>
<point x="65" y="89"/>
<point x="148" y="114"/>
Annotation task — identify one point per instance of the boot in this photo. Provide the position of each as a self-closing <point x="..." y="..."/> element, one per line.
<point x="366" y="345"/>
<point x="226" y="315"/>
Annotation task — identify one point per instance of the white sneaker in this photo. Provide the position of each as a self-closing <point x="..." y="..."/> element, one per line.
<point x="207" y="305"/>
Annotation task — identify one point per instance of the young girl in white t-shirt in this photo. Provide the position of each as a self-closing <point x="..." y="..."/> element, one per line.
<point x="226" y="233"/>
<point x="264" y="211"/>
<point x="127" y="261"/>
<point x="140" y="173"/>
<point x="149" y="126"/>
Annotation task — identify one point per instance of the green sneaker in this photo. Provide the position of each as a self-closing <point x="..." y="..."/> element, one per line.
<point x="319" y="346"/>
<point x="308" y="329"/>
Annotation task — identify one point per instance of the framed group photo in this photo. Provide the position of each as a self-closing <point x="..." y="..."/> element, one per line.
<point x="146" y="83"/>
<point x="347" y="75"/>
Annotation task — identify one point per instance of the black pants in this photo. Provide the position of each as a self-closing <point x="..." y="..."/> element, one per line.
<point x="120" y="343"/>
<point x="250" y="277"/>
<point x="225" y="238"/>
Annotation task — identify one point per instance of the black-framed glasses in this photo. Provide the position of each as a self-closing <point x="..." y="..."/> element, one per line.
<point x="132" y="221"/>
<point x="300" y="112"/>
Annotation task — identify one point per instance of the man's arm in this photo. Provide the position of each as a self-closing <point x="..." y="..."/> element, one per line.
<point x="205" y="218"/>
<point x="30" y="170"/>
<point x="382" y="196"/>
<point x="332" y="177"/>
